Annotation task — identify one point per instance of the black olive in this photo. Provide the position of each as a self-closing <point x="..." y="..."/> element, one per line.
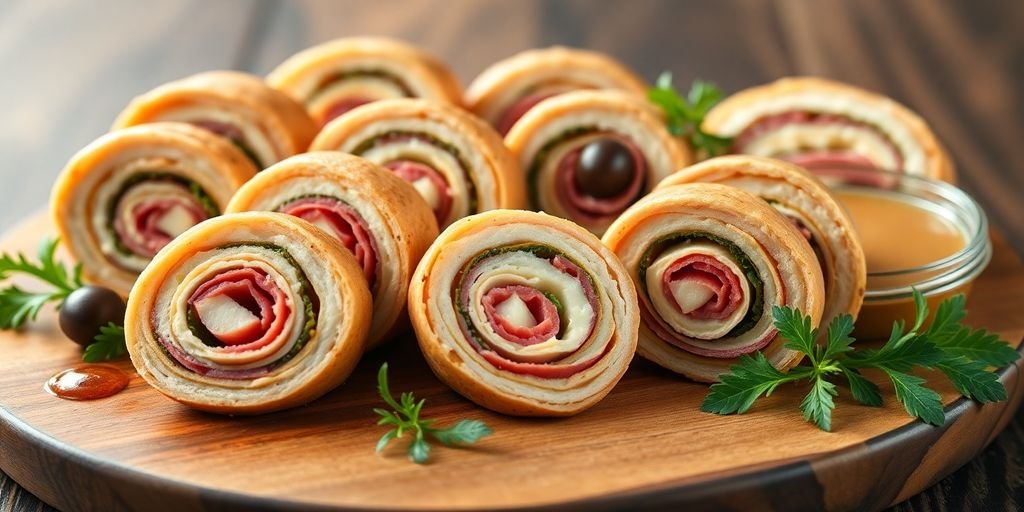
<point x="605" y="169"/>
<point x="87" y="309"/>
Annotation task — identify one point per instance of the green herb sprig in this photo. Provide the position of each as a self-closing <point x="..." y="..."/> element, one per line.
<point x="406" y="419"/>
<point x="17" y="305"/>
<point x="685" y="116"/>
<point x="107" y="345"/>
<point x="962" y="354"/>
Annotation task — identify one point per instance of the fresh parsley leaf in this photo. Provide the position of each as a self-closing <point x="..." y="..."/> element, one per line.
<point x="108" y="344"/>
<point x="962" y="354"/>
<point x="684" y="117"/>
<point x="919" y="401"/>
<point x="17" y="305"/>
<point x="406" y="418"/>
<point x="752" y="377"/>
<point x="818" y="404"/>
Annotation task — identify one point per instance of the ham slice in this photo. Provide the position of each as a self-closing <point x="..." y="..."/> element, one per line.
<point x="587" y="207"/>
<point x="521" y="314"/>
<point x="156" y="223"/>
<point x="253" y="290"/>
<point x="428" y="182"/>
<point x="343" y="222"/>
<point x="517" y="110"/>
<point x="710" y="275"/>
<point x="341" y="107"/>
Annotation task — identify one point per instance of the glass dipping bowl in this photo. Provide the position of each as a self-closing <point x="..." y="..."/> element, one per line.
<point x="888" y="296"/>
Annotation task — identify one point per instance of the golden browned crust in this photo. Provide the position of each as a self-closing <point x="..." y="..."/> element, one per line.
<point x="283" y="120"/>
<point x="429" y="75"/>
<point x="72" y="204"/>
<point x="939" y="164"/>
<point x="408" y="221"/>
<point x="534" y="67"/>
<point x="343" y="355"/>
<point x="510" y="191"/>
<point x="449" y="366"/>
<point x="841" y="236"/>
<point x="744" y="212"/>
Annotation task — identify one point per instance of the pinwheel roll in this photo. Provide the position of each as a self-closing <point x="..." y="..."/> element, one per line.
<point x="807" y="203"/>
<point x="524" y="313"/>
<point x="264" y="123"/>
<point x="710" y="261"/>
<point x="456" y="162"/>
<point x="589" y="155"/>
<point x="509" y="88"/>
<point x="827" y="127"/>
<point x="126" y="195"/>
<point x="248" y="313"/>
<point x="375" y="214"/>
<point x="335" y="77"/>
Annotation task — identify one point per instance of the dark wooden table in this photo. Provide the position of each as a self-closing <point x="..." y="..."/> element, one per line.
<point x="68" y="67"/>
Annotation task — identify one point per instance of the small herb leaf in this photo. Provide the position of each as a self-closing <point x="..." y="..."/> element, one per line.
<point x="818" y="404"/>
<point x="463" y="432"/>
<point x="918" y="400"/>
<point x="684" y="116"/>
<point x="107" y="345"/>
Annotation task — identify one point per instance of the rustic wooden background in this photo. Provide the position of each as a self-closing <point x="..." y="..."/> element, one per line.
<point x="67" y="67"/>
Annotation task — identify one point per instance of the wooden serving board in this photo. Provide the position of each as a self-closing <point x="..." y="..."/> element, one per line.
<point x="645" y="446"/>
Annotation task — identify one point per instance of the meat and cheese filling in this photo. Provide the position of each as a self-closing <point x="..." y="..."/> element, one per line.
<point x="827" y="127"/>
<point x="332" y="78"/>
<point x="524" y="313"/>
<point x="376" y="215"/>
<point x="128" y="194"/>
<point x="589" y="155"/>
<point x="508" y="89"/>
<point x="264" y="123"/>
<point x="807" y="203"/>
<point x="456" y="163"/>
<point x="248" y="313"/>
<point x="710" y="262"/>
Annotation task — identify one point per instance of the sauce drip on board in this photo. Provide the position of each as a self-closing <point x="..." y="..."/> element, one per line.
<point x="897" y="234"/>
<point x="90" y="382"/>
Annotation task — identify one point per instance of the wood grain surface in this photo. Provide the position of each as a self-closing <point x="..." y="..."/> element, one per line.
<point x="69" y="67"/>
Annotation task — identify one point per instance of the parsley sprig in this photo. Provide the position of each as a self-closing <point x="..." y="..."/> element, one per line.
<point x="107" y="345"/>
<point x="962" y="354"/>
<point x="685" y="116"/>
<point x="406" y="419"/>
<point x="18" y="305"/>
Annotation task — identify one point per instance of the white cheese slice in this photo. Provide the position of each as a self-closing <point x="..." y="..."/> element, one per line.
<point x="222" y="315"/>
<point x="175" y="221"/>
<point x="690" y="295"/>
<point x="515" y="311"/>
<point x="429" y="192"/>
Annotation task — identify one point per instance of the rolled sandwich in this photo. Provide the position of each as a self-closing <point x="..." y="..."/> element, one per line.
<point x="456" y="162"/>
<point x="126" y="195"/>
<point x="248" y="313"/>
<point x="710" y="261"/>
<point x="827" y="126"/>
<point x="589" y="155"/>
<point x="524" y="313"/>
<point x="264" y="123"/>
<point x="335" y="77"/>
<point x="376" y="215"/>
<point x="509" y="88"/>
<point x="808" y="204"/>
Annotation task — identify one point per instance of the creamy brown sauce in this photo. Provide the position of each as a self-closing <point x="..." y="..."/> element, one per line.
<point x="87" y="382"/>
<point x="898" y="234"/>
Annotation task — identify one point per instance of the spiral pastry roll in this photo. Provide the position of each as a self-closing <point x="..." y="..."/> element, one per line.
<point x="454" y="160"/>
<point x="524" y="313"/>
<point x="248" y="313"/>
<point x="710" y="261"/>
<point x="827" y="127"/>
<point x="376" y="215"/>
<point x="509" y="88"/>
<point x="808" y="204"/>
<point x="335" y="77"/>
<point x="264" y="123"/>
<point x="126" y="195"/>
<point x="589" y="155"/>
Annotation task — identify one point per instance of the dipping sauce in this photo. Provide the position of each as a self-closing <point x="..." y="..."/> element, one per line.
<point x="87" y="382"/>
<point x="898" y="234"/>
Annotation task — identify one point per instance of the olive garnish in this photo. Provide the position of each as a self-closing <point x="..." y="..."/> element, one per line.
<point x="87" y="309"/>
<point x="606" y="168"/>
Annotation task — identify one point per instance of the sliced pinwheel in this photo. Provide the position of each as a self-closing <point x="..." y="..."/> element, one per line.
<point x="709" y="262"/>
